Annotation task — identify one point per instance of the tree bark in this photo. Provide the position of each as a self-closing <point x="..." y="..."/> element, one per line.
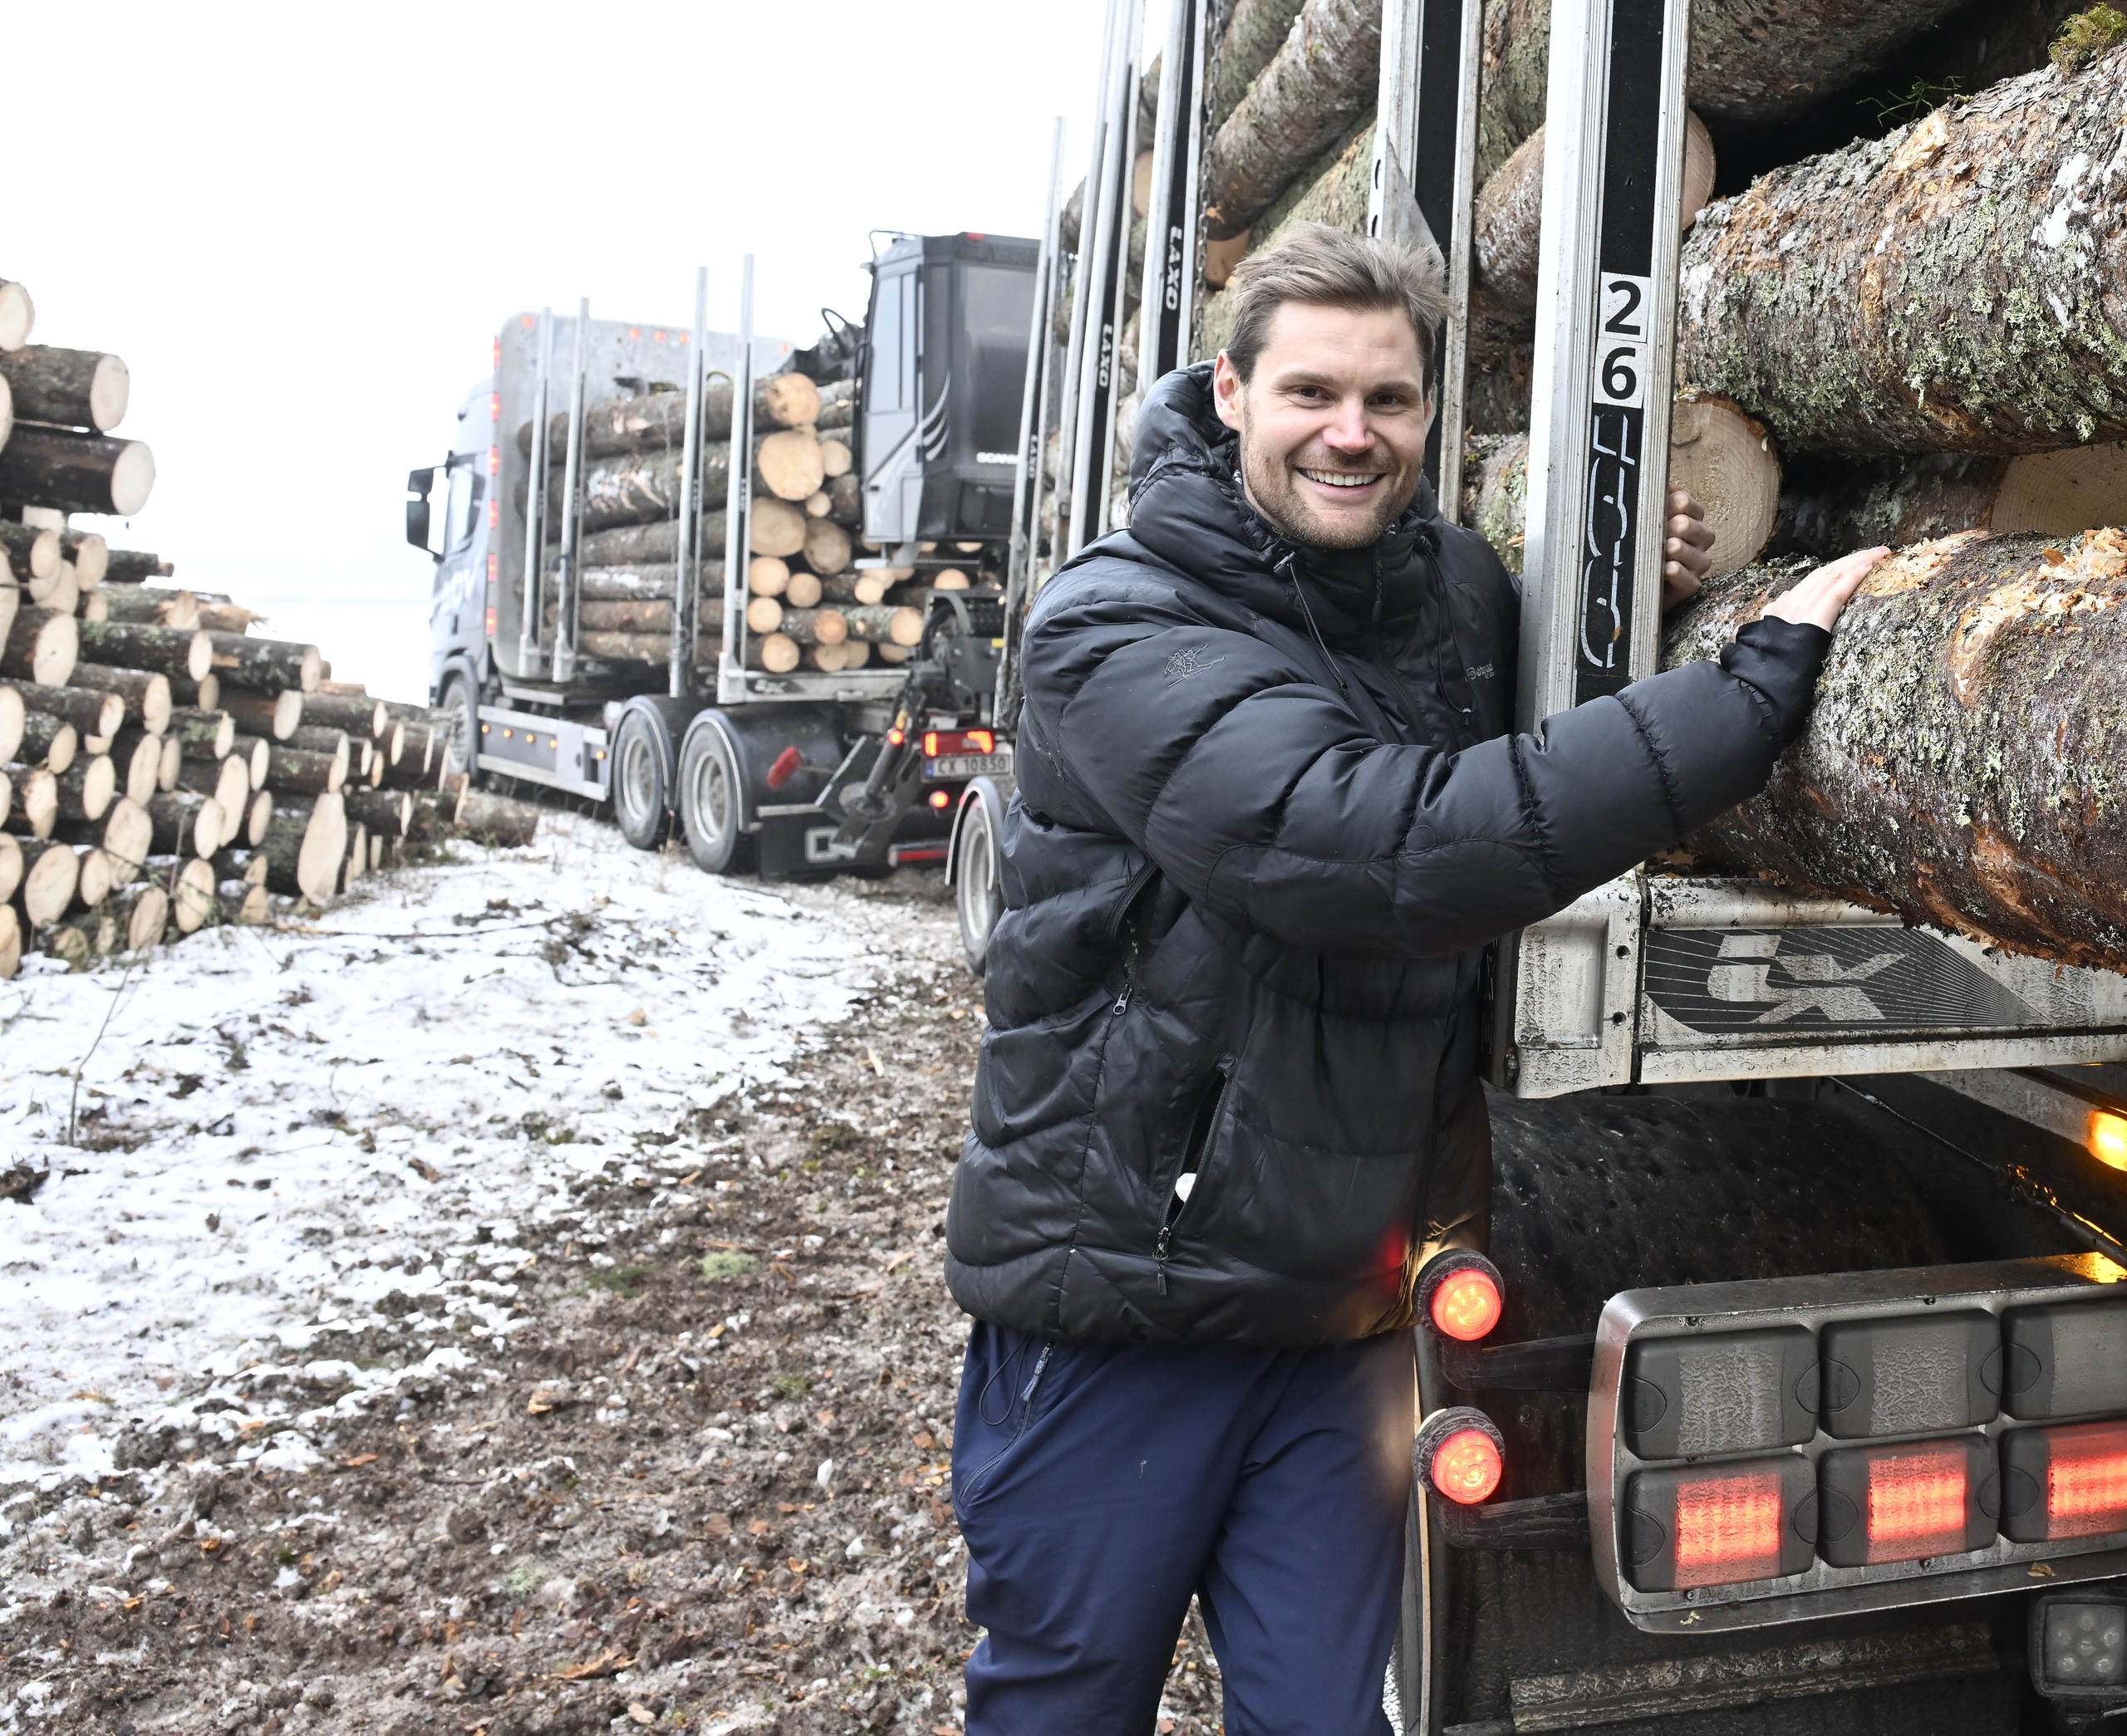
<point x="814" y="626"/>
<point x="1254" y="33"/>
<point x="202" y="734"/>
<point x="144" y="694"/>
<point x="49" y="742"/>
<point x="305" y="845"/>
<point x="77" y="472"/>
<point x="645" y="647"/>
<point x="645" y="617"/>
<point x="308" y="773"/>
<point x="31" y="808"/>
<point x="139" y="757"/>
<point x="124" y="834"/>
<point x="277" y="716"/>
<point x="1952" y="288"/>
<point x="72" y="387"/>
<point x="658" y="422"/>
<point x="265" y="665"/>
<point x="247" y="866"/>
<point x="846" y="501"/>
<point x="91" y="714"/>
<point x="1958" y="768"/>
<point x="50" y="871"/>
<point x="648" y="545"/>
<point x="863" y="584"/>
<point x="135" y="566"/>
<point x="31" y="552"/>
<point x="43" y="646"/>
<point x="837" y="405"/>
<point x="169" y="651"/>
<point x="227" y="780"/>
<point x="386" y="812"/>
<point x="356" y="714"/>
<point x="189" y="824"/>
<point x="240" y="905"/>
<point x="1332" y="190"/>
<point x="496" y="820"/>
<point x="1830" y="509"/>
<point x="885" y="624"/>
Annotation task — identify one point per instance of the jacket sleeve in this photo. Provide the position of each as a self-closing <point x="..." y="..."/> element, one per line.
<point x="1258" y="790"/>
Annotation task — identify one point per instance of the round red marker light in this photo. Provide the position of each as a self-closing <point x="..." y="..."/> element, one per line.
<point x="1460" y="1454"/>
<point x="1467" y="1306"/>
<point x="1467" y="1468"/>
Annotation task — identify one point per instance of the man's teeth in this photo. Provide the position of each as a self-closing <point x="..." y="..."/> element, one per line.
<point x="1340" y="478"/>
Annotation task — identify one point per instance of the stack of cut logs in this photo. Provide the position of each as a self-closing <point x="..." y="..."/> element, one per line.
<point x="160" y="768"/>
<point x="1905" y="334"/>
<point x="808" y="602"/>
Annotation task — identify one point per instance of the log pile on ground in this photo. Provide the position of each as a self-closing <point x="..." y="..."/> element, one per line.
<point x="812" y="601"/>
<point x="162" y="768"/>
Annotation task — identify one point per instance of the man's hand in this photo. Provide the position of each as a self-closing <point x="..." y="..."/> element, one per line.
<point x="1686" y="549"/>
<point x="1819" y="598"/>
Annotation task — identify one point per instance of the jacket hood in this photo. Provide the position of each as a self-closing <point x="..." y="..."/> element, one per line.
<point x="1187" y="508"/>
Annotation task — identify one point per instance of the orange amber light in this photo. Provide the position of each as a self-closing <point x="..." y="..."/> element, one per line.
<point x="1467" y="1305"/>
<point x="2107" y="1139"/>
<point x="1467" y="1467"/>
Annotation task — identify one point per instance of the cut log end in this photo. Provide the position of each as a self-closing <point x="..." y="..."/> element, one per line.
<point x="1726" y="459"/>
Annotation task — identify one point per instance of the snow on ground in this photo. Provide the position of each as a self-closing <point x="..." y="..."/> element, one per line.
<point x="277" y="1131"/>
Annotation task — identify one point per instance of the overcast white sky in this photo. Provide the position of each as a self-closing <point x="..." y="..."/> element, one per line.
<point x="302" y="226"/>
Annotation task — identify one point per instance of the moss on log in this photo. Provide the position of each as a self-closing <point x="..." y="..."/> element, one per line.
<point x="1961" y="767"/>
<point x="1960" y="286"/>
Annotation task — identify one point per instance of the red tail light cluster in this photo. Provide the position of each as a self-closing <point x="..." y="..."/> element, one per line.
<point x="1849" y="1448"/>
<point x="940" y="742"/>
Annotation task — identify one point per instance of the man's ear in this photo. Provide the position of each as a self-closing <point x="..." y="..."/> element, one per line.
<point x="1226" y="389"/>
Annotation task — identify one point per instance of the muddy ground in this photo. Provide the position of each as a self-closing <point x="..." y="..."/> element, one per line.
<point x="705" y="1486"/>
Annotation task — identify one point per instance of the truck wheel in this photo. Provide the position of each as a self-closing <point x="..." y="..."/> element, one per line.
<point x="709" y="803"/>
<point x="641" y="800"/>
<point x="461" y="704"/>
<point x="977" y="880"/>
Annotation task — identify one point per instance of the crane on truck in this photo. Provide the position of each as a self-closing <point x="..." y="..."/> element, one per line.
<point x="1792" y="1386"/>
<point x="603" y="620"/>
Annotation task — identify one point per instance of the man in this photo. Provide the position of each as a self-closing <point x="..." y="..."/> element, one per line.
<point x="1270" y="811"/>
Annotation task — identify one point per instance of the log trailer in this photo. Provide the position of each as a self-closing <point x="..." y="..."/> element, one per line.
<point x="603" y="623"/>
<point x="1789" y="1393"/>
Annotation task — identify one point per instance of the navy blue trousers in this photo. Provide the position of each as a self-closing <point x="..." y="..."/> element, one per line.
<point x="1098" y="1485"/>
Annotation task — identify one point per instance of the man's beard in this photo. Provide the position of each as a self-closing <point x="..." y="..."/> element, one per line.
<point x="1275" y="490"/>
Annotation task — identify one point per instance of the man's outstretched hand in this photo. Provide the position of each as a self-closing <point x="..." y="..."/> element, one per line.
<point x="1686" y="549"/>
<point x="1820" y="598"/>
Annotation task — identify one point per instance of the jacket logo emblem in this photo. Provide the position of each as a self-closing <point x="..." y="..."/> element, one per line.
<point x="1478" y="672"/>
<point x="1188" y="661"/>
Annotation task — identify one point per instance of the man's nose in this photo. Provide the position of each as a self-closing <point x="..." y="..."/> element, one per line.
<point x="1346" y="430"/>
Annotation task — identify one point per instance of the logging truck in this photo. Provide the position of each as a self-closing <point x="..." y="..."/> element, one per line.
<point x="738" y="590"/>
<point x="1787" y="1391"/>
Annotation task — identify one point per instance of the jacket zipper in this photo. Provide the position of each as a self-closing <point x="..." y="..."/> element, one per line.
<point x="1377" y="655"/>
<point x="1131" y="894"/>
<point x="1199" y="1142"/>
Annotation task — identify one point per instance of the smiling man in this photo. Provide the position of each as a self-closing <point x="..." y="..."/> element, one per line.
<point x="1271" y="811"/>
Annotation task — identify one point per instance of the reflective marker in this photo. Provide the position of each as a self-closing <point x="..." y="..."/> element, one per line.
<point x="1904" y="1503"/>
<point x="2065" y="1358"/>
<point x="1718" y="1525"/>
<point x="1467" y="1468"/>
<point x="2070" y="1481"/>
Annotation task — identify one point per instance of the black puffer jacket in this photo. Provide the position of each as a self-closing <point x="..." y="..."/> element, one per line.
<point x="1247" y="876"/>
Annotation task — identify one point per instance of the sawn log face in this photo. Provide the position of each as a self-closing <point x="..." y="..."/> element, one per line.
<point x="1962" y="765"/>
<point x="1960" y="286"/>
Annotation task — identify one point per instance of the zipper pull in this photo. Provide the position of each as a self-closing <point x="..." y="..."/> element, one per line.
<point x="1164" y="1242"/>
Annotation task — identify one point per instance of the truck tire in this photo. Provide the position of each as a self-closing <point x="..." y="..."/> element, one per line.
<point x="461" y="701"/>
<point x="709" y="802"/>
<point x="642" y="795"/>
<point x="978" y="872"/>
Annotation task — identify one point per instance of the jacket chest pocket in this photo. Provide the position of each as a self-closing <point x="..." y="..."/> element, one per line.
<point x="1189" y="1180"/>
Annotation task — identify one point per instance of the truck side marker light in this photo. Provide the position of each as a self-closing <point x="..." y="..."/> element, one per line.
<point x="1728" y="1530"/>
<point x="895" y="738"/>
<point x="1460" y="1454"/>
<point x="787" y="765"/>
<point x="491" y="620"/>
<point x="940" y="800"/>
<point x="1461" y="1295"/>
<point x="495" y="461"/>
<point x="2107" y="1139"/>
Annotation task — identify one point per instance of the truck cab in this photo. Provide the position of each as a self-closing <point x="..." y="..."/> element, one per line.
<point x="451" y="515"/>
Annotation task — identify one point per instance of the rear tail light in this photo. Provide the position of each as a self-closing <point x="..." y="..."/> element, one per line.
<point x="1719" y="1525"/>
<point x="1729" y="1392"/>
<point x="1906" y="1502"/>
<point x="1911" y="1375"/>
<point x="2070" y="1481"/>
<point x="2065" y="1358"/>
<point x="1460" y="1454"/>
<point x="937" y="742"/>
<point x="1461" y="1295"/>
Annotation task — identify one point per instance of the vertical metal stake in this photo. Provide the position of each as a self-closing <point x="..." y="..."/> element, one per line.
<point x="731" y="684"/>
<point x="686" y="570"/>
<point x="571" y="513"/>
<point x="532" y="593"/>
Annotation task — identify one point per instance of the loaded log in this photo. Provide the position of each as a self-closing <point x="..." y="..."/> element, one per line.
<point x="43" y="646"/>
<point x="86" y="788"/>
<point x="884" y="625"/>
<point x="1948" y="288"/>
<point x="496" y="820"/>
<point x="72" y="388"/>
<point x="356" y="714"/>
<point x="309" y="773"/>
<point x="265" y="665"/>
<point x="227" y="780"/>
<point x="305" y="845"/>
<point x="1830" y="507"/>
<point x="191" y="887"/>
<point x="187" y="823"/>
<point x="93" y="883"/>
<point x="386" y="812"/>
<point x="151" y="605"/>
<point x="141" y="912"/>
<point x="165" y="650"/>
<point x="277" y="716"/>
<point x="202" y="734"/>
<point x="50" y="871"/>
<point x="647" y="545"/>
<point x="139" y="757"/>
<point x="32" y="552"/>
<point x="651" y="647"/>
<point x="255" y="753"/>
<point x="145" y="695"/>
<point x="91" y="555"/>
<point x="47" y="741"/>
<point x="77" y="472"/>
<point x="1956" y="770"/>
<point x="136" y="566"/>
<point x="32" y="807"/>
<point x="91" y="714"/>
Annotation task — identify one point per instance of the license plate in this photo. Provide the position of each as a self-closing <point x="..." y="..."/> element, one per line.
<point x="967" y="765"/>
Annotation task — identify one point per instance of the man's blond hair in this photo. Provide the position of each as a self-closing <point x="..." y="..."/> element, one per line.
<point x="1325" y="268"/>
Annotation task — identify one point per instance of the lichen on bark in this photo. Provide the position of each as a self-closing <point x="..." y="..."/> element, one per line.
<point x="1963" y="767"/>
